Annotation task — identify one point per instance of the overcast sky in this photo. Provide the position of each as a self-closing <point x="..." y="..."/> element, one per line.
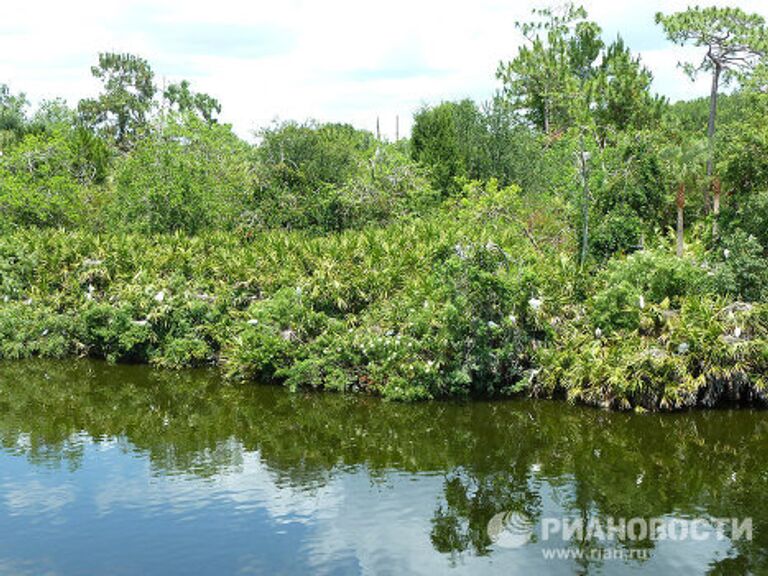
<point x="331" y="60"/>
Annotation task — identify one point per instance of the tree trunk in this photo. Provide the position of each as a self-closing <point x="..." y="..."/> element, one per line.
<point x="680" y="219"/>
<point x="585" y="205"/>
<point x="711" y="129"/>
<point x="717" y="188"/>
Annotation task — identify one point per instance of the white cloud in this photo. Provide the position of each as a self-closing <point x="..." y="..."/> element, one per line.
<point x="342" y="60"/>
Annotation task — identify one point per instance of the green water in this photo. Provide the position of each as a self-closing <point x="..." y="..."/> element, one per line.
<point x="125" y="470"/>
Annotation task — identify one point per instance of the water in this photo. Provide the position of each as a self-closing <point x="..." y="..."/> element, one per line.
<point x="125" y="470"/>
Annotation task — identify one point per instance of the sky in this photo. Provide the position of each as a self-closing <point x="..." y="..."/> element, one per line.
<point x="331" y="60"/>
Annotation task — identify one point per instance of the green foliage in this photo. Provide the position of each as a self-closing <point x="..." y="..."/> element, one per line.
<point x="122" y="110"/>
<point x="41" y="180"/>
<point x="307" y="156"/>
<point x="734" y="40"/>
<point x="183" y="100"/>
<point x="704" y="354"/>
<point x="644" y="278"/>
<point x="325" y="258"/>
<point x="331" y="177"/>
<point x="744" y="146"/>
<point x="622" y="91"/>
<point x="414" y="310"/>
<point x="459" y="140"/>
<point x="436" y="141"/>
<point x="747" y="215"/>
<point x="190" y="176"/>
<point x="547" y="77"/>
<point x="12" y="116"/>
<point x="276" y="334"/>
<point x="629" y="198"/>
<point x="740" y="267"/>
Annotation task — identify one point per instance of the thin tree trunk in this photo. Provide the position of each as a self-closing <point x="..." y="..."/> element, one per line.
<point x="680" y="219"/>
<point x="711" y="130"/>
<point x="585" y="205"/>
<point x="717" y="188"/>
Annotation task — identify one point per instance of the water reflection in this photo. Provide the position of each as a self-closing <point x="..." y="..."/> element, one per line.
<point x="123" y="469"/>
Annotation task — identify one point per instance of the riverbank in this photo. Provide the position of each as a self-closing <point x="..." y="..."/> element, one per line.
<point x="473" y="300"/>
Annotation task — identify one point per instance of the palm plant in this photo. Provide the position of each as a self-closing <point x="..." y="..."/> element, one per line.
<point x="683" y="161"/>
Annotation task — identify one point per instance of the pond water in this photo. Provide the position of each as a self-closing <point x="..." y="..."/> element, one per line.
<point x="125" y="470"/>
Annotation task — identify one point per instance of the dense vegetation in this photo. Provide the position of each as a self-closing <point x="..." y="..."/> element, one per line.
<point x="577" y="236"/>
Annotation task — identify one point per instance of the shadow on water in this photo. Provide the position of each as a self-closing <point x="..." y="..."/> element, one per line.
<point x="522" y="456"/>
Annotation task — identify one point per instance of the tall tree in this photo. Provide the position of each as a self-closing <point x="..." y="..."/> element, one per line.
<point x="734" y="41"/>
<point x="436" y="143"/>
<point x="13" y="116"/>
<point x="622" y="91"/>
<point x="122" y="109"/>
<point x="683" y="161"/>
<point x="547" y="77"/>
<point x="183" y="99"/>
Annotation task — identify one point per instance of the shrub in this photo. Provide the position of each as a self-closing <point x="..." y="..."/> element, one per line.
<point x="650" y="277"/>
<point x="190" y="177"/>
<point x="740" y="267"/>
<point x="705" y="354"/>
<point x="38" y="186"/>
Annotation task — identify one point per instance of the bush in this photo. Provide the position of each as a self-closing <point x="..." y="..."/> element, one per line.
<point x="452" y="333"/>
<point x="275" y="335"/>
<point x="38" y="183"/>
<point x="329" y="177"/>
<point x="190" y="176"/>
<point x="740" y="267"/>
<point x="647" y="277"/>
<point x="704" y="354"/>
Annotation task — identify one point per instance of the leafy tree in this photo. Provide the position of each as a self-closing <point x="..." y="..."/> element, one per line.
<point x="123" y="108"/>
<point x="622" y="91"/>
<point x="331" y="177"/>
<point x="734" y="42"/>
<point x="440" y="137"/>
<point x="462" y="140"/>
<point x="310" y="155"/>
<point x="38" y="182"/>
<point x="190" y="176"/>
<point x="547" y="78"/>
<point x="628" y="193"/>
<point x="744" y="168"/>
<point x="182" y="99"/>
<point x="566" y="77"/>
<point x="52" y="114"/>
<point x="12" y="116"/>
<point x="300" y="169"/>
<point x="516" y="154"/>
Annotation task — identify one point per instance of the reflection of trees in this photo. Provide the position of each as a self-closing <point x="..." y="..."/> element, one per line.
<point x="493" y="455"/>
<point x="461" y="522"/>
